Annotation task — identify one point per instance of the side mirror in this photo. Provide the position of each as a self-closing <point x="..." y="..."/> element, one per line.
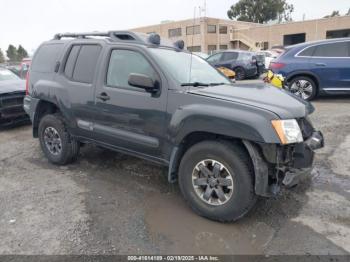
<point x="143" y="81"/>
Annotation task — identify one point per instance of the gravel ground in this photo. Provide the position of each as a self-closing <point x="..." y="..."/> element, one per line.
<point x="108" y="203"/>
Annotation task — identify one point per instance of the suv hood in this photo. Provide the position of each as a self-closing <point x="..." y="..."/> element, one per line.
<point x="280" y="102"/>
<point x="10" y="86"/>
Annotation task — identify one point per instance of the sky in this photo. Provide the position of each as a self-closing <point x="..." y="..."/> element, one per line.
<point x="30" y="22"/>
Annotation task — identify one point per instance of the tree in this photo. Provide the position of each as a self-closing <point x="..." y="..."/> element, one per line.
<point x="11" y="53"/>
<point x="261" y="11"/>
<point x="2" y="57"/>
<point x="21" y="53"/>
<point x="333" y="14"/>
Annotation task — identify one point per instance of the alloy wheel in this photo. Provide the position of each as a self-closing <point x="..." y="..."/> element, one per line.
<point x="302" y="88"/>
<point x="53" y="141"/>
<point x="212" y="182"/>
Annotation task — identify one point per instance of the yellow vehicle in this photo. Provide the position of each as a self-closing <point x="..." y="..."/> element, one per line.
<point x="274" y="79"/>
<point x="227" y="72"/>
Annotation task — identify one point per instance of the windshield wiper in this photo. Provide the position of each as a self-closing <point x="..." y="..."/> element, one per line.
<point x="217" y="84"/>
<point x="195" y="84"/>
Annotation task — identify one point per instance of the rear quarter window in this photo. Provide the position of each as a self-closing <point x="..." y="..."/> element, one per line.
<point x="45" y="58"/>
<point x="309" y="51"/>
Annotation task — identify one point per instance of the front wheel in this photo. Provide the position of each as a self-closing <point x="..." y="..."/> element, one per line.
<point x="303" y="87"/>
<point x="216" y="179"/>
<point x="240" y="73"/>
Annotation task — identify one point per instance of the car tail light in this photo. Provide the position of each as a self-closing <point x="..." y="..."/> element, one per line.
<point x="27" y="83"/>
<point x="253" y="62"/>
<point x="275" y="65"/>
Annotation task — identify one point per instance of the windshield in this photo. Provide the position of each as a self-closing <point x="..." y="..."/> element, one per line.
<point x="187" y="68"/>
<point x="7" y="75"/>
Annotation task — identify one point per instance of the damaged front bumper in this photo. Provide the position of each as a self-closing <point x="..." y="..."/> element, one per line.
<point x="276" y="165"/>
<point x="11" y="109"/>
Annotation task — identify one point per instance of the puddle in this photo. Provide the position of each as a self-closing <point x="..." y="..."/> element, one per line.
<point x="175" y="228"/>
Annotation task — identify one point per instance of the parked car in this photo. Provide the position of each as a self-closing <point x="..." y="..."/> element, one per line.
<point x="243" y="63"/>
<point x="269" y="55"/>
<point x="14" y="68"/>
<point x="260" y="64"/>
<point x="24" y="67"/>
<point x="316" y="68"/>
<point x="202" y="55"/>
<point x="12" y="92"/>
<point x="137" y="94"/>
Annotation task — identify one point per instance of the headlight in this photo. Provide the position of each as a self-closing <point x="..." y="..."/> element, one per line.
<point x="288" y="131"/>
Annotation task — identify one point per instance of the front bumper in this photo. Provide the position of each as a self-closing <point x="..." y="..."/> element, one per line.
<point x="275" y="165"/>
<point x="11" y="108"/>
<point x="303" y="159"/>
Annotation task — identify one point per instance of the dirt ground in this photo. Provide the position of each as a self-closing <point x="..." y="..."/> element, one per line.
<point x="108" y="203"/>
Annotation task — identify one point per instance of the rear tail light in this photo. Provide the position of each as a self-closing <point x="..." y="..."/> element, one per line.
<point x="253" y="62"/>
<point x="275" y="65"/>
<point x="27" y="83"/>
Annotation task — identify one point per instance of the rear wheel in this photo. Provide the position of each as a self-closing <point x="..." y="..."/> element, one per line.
<point x="57" y="144"/>
<point x="216" y="179"/>
<point x="240" y="73"/>
<point x="303" y="87"/>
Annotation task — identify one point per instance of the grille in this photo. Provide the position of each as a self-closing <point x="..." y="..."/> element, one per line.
<point x="11" y="105"/>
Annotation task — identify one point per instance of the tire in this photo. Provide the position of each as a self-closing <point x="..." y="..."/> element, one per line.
<point x="304" y="87"/>
<point x="53" y="126"/>
<point x="236" y="161"/>
<point x="240" y="73"/>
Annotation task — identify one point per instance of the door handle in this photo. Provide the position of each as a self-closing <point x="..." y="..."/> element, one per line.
<point x="320" y="64"/>
<point x="103" y="96"/>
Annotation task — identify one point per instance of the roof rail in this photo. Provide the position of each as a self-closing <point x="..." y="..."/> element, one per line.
<point x="80" y="35"/>
<point x="113" y="35"/>
<point x="140" y="38"/>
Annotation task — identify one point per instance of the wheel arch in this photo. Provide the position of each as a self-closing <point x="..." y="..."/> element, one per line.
<point x="43" y="108"/>
<point x="311" y="75"/>
<point x="190" y="140"/>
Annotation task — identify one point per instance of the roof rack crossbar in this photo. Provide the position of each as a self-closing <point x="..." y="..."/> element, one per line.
<point x="115" y="35"/>
<point x="123" y="36"/>
<point x="81" y="35"/>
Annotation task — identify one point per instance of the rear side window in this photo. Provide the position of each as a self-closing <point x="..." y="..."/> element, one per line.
<point x="46" y="57"/>
<point x="72" y="58"/>
<point x="308" y="51"/>
<point x="340" y="49"/>
<point x="230" y="56"/>
<point x="85" y="65"/>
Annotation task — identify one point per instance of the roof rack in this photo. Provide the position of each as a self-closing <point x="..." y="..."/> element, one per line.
<point x="140" y="38"/>
<point x="113" y="35"/>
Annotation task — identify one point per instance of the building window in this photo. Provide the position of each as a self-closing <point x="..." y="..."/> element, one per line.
<point x="211" y="48"/>
<point x="223" y="29"/>
<point x="265" y="45"/>
<point x="211" y="29"/>
<point x="194" y="48"/>
<point x="262" y="45"/>
<point x="338" y="33"/>
<point x="193" y="30"/>
<point x="294" y="39"/>
<point x="175" y="32"/>
<point x="223" y="47"/>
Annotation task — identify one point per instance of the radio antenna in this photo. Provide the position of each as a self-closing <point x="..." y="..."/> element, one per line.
<point x="193" y="25"/>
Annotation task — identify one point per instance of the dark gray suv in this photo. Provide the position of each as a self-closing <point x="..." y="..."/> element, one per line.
<point x="144" y="96"/>
<point x="244" y="63"/>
